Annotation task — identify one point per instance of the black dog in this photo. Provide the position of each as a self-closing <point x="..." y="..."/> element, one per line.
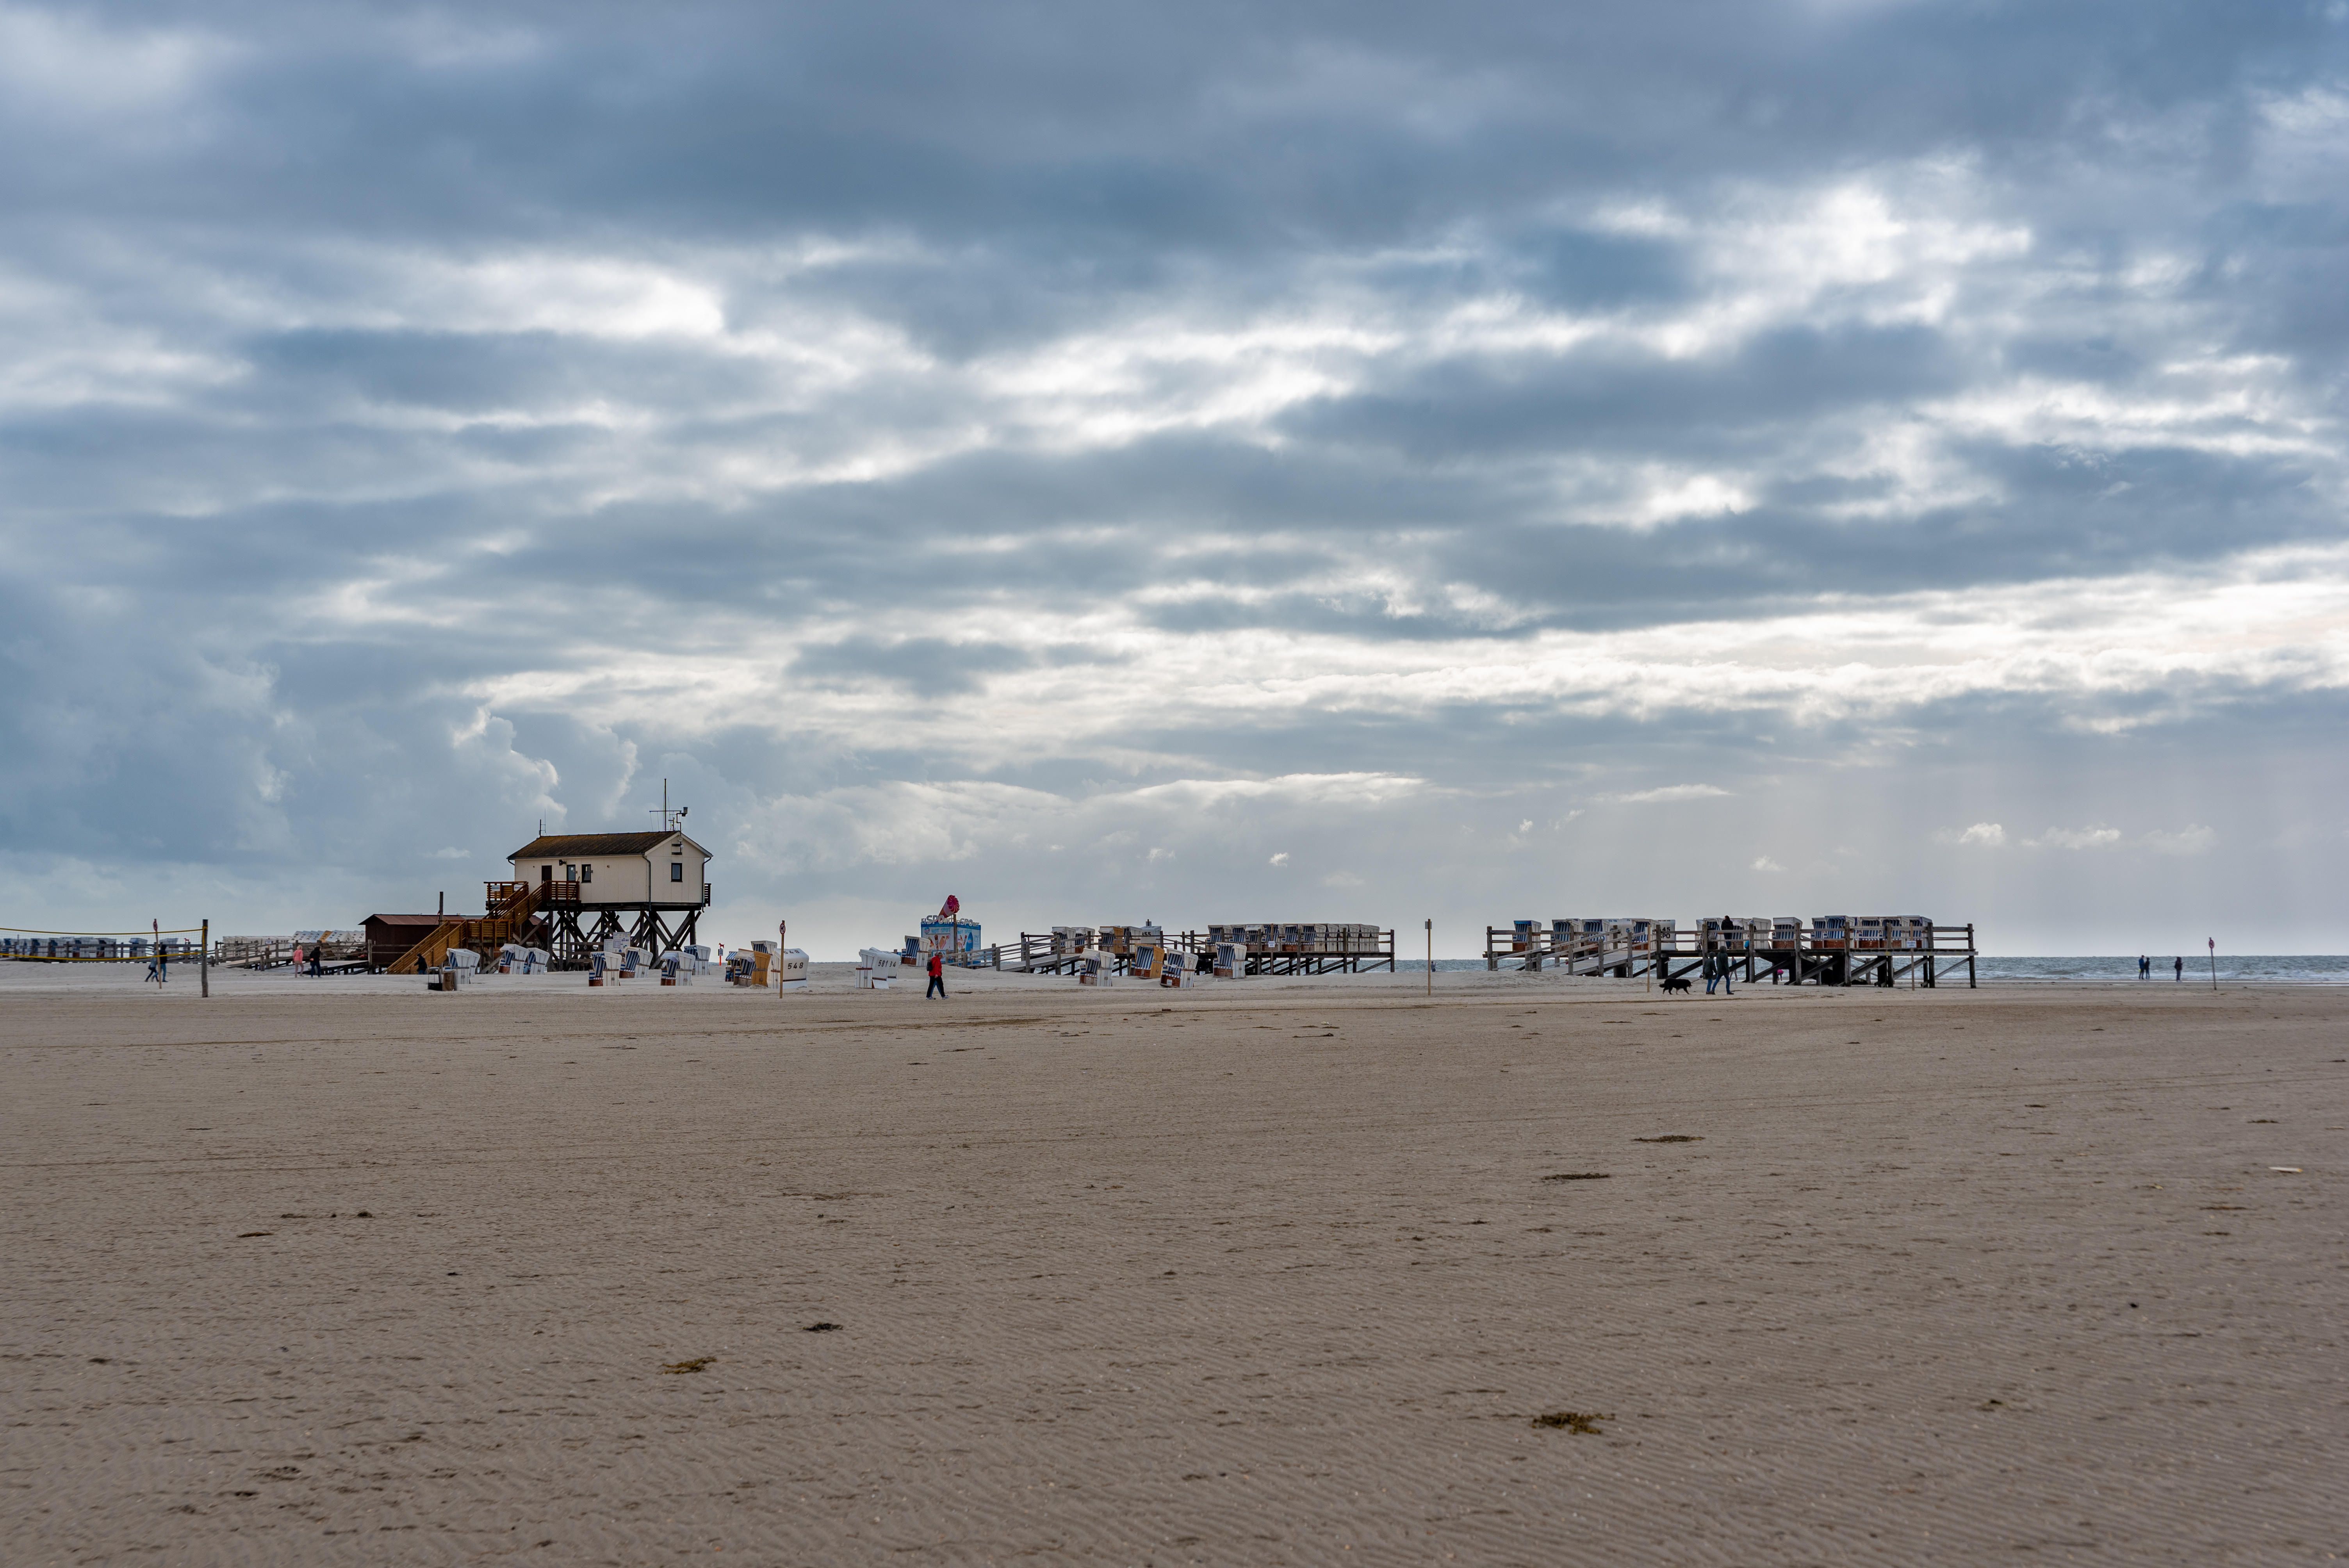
<point x="1674" y="983"/>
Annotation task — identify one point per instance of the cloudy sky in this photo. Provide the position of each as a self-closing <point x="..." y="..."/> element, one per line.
<point x="1191" y="462"/>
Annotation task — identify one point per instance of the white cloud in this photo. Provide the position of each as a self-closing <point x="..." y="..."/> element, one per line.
<point x="1669" y="792"/>
<point x="1983" y="835"/>
<point x="1328" y="789"/>
<point x="1766" y="864"/>
<point x="1279" y="859"/>
<point x="2098" y="838"/>
<point x="2191" y="840"/>
<point x="2121" y="654"/>
<point x="80" y="71"/>
<point x="1696" y="495"/>
<point x="583" y="295"/>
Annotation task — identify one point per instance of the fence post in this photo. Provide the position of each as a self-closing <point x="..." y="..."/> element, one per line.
<point x="204" y="959"/>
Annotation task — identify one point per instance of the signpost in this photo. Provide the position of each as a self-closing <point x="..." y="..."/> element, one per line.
<point x="1430" y="955"/>
<point x="2214" y="962"/>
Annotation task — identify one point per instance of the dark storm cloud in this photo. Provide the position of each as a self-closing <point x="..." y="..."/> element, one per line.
<point x="1635" y="405"/>
<point x="462" y="373"/>
<point x="1175" y="127"/>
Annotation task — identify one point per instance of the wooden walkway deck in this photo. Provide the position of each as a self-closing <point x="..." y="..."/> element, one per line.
<point x="1921" y="952"/>
<point x="1057" y="952"/>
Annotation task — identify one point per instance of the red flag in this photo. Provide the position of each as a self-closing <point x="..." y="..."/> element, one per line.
<point x="953" y="907"/>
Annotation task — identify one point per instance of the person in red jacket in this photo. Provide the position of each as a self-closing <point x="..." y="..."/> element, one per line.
<point x="937" y="977"/>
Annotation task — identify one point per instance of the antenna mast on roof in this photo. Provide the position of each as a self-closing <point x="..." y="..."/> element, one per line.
<point x="671" y="821"/>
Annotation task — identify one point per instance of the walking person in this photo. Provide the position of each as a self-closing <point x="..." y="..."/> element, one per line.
<point x="937" y="977"/>
<point x="2144" y="967"/>
<point x="2177" y="970"/>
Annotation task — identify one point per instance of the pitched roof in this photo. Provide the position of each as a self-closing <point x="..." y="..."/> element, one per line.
<point x="576" y="844"/>
<point x="403" y="920"/>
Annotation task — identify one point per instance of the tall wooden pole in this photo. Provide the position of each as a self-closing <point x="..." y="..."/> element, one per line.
<point x="2214" y="963"/>
<point x="204" y="959"/>
<point x="1430" y="955"/>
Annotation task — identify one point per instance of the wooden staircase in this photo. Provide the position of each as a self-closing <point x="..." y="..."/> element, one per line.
<point x="511" y="906"/>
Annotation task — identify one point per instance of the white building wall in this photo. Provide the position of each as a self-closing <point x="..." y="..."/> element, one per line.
<point x="677" y="852"/>
<point x="630" y="879"/>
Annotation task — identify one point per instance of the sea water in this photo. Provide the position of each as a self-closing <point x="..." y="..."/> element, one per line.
<point x="2267" y="968"/>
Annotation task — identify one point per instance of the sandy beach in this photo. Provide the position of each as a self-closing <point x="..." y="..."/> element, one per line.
<point x="347" y="1272"/>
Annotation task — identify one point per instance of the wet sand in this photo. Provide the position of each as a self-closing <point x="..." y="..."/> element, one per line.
<point x="1260" y="1275"/>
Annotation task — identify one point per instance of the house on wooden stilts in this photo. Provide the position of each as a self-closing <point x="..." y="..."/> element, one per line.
<point x="647" y="888"/>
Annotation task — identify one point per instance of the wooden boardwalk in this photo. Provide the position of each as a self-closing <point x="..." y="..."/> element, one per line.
<point x="1830" y="950"/>
<point x="1298" y="949"/>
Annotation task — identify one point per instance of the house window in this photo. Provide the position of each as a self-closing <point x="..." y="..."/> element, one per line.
<point x="546" y="873"/>
<point x="677" y="870"/>
<point x="586" y="873"/>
